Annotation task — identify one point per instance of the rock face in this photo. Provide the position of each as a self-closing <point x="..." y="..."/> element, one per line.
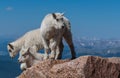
<point x="82" y="67"/>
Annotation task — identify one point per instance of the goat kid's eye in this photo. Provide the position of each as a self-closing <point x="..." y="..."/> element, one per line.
<point x="61" y="18"/>
<point x="24" y="55"/>
<point x="57" y="19"/>
<point x="10" y="51"/>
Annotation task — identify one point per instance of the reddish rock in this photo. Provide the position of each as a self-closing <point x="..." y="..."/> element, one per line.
<point x="82" y="67"/>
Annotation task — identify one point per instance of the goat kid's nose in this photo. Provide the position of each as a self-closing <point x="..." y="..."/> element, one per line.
<point x="63" y="27"/>
<point x="19" y="61"/>
<point x="12" y="57"/>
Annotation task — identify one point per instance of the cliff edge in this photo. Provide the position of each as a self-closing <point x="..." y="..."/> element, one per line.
<point x="82" y="67"/>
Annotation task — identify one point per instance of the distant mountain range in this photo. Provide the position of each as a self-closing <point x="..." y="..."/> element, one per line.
<point x="101" y="47"/>
<point x="83" y="46"/>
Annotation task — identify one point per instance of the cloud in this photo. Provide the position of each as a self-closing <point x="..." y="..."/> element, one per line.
<point x="9" y="8"/>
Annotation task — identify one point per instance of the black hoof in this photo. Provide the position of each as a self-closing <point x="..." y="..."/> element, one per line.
<point x="73" y="58"/>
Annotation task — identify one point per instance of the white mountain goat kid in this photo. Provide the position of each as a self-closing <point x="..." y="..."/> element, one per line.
<point x="29" y="57"/>
<point x="29" y="39"/>
<point x="52" y="27"/>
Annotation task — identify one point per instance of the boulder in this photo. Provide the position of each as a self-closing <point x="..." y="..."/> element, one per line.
<point x="82" y="67"/>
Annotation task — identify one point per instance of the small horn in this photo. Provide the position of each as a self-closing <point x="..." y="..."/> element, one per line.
<point x="11" y="46"/>
<point x="54" y="16"/>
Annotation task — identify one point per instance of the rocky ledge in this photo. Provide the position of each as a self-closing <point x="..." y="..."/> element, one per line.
<point x="82" y="67"/>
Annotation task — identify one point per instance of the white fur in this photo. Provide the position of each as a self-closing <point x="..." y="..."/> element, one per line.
<point x="29" y="56"/>
<point x="29" y="39"/>
<point x="23" y="66"/>
<point x="52" y="29"/>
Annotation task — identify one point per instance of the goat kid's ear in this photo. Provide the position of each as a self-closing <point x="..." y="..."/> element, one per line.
<point x="28" y="50"/>
<point x="54" y="16"/>
<point x="11" y="46"/>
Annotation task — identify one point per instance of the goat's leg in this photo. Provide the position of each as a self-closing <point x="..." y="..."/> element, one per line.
<point x="46" y="48"/>
<point x="58" y="56"/>
<point x="68" y="38"/>
<point x="59" y="50"/>
<point x="23" y="66"/>
<point x="59" y="47"/>
<point x="53" y="49"/>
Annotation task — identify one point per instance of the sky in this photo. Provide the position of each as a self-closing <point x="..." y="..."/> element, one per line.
<point x="89" y="18"/>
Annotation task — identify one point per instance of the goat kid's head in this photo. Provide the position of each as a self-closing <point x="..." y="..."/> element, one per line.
<point x="24" y="55"/>
<point x="12" y="50"/>
<point x="59" y="20"/>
